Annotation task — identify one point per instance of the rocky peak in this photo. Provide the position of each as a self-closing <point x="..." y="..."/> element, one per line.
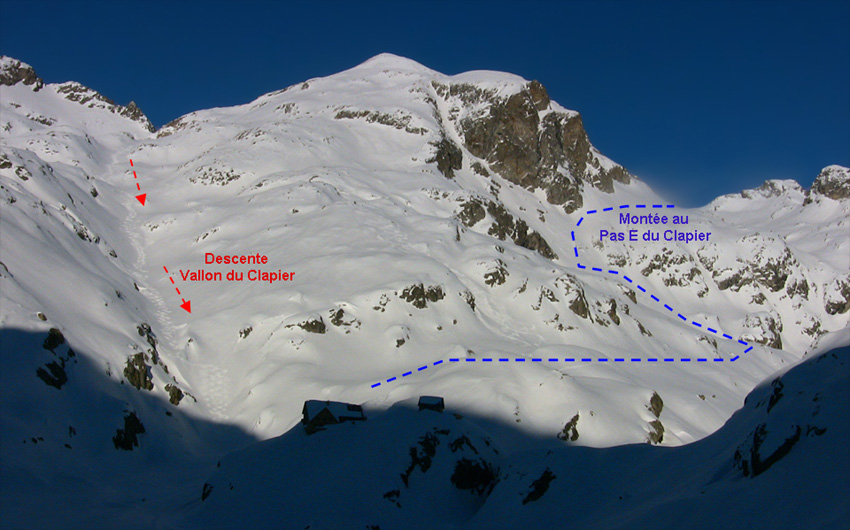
<point x="833" y="182"/>
<point x="13" y="71"/>
<point x="773" y="188"/>
<point x="529" y="141"/>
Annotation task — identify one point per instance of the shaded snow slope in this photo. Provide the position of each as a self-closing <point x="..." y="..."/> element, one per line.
<point x="780" y="462"/>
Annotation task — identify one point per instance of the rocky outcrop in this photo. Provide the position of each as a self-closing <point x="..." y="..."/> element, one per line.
<point x="419" y="295"/>
<point x="837" y="299"/>
<point x="570" y="430"/>
<point x="539" y="486"/>
<point x="448" y="157"/>
<point x="764" y="328"/>
<point x="656" y="428"/>
<point x="833" y="182"/>
<point x="92" y="99"/>
<point x="128" y="437"/>
<point x="531" y="145"/>
<point x="13" y="72"/>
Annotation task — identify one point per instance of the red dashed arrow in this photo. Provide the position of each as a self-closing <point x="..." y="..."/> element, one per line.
<point x="187" y="304"/>
<point x="141" y="198"/>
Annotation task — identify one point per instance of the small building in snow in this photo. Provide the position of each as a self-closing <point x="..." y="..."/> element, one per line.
<point x="432" y="403"/>
<point x="317" y="413"/>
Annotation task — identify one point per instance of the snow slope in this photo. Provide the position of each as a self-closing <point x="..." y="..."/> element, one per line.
<point x="425" y="218"/>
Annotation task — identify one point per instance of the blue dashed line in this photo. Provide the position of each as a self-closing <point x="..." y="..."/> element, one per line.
<point x="487" y="360"/>
<point x="600" y="359"/>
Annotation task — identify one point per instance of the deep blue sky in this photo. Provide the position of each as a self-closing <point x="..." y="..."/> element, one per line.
<point x="696" y="98"/>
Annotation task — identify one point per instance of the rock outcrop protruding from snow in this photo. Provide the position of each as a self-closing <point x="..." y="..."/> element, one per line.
<point x="13" y="71"/>
<point x="833" y="182"/>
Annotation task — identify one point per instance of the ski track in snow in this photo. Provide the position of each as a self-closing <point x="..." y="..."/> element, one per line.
<point x="213" y="386"/>
<point x="166" y="331"/>
<point x="605" y="271"/>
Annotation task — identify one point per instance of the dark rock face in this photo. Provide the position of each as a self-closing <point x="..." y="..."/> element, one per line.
<point x="838" y="301"/>
<point x="570" y="431"/>
<point x="506" y="226"/>
<point x="656" y="428"/>
<point x="477" y="475"/>
<point x="754" y="462"/>
<point x="138" y="372"/>
<point x="313" y="326"/>
<point x="53" y="373"/>
<point x="552" y="153"/>
<point x="14" y="72"/>
<point x="656" y="405"/>
<point x="833" y="182"/>
<point x="656" y="432"/>
<point x="175" y="395"/>
<point x="419" y="295"/>
<point x="539" y="486"/>
<point x="448" y="157"/>
<point x="127" y="438"/>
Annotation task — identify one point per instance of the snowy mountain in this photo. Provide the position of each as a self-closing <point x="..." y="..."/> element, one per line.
<point x="409" y="233"/>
